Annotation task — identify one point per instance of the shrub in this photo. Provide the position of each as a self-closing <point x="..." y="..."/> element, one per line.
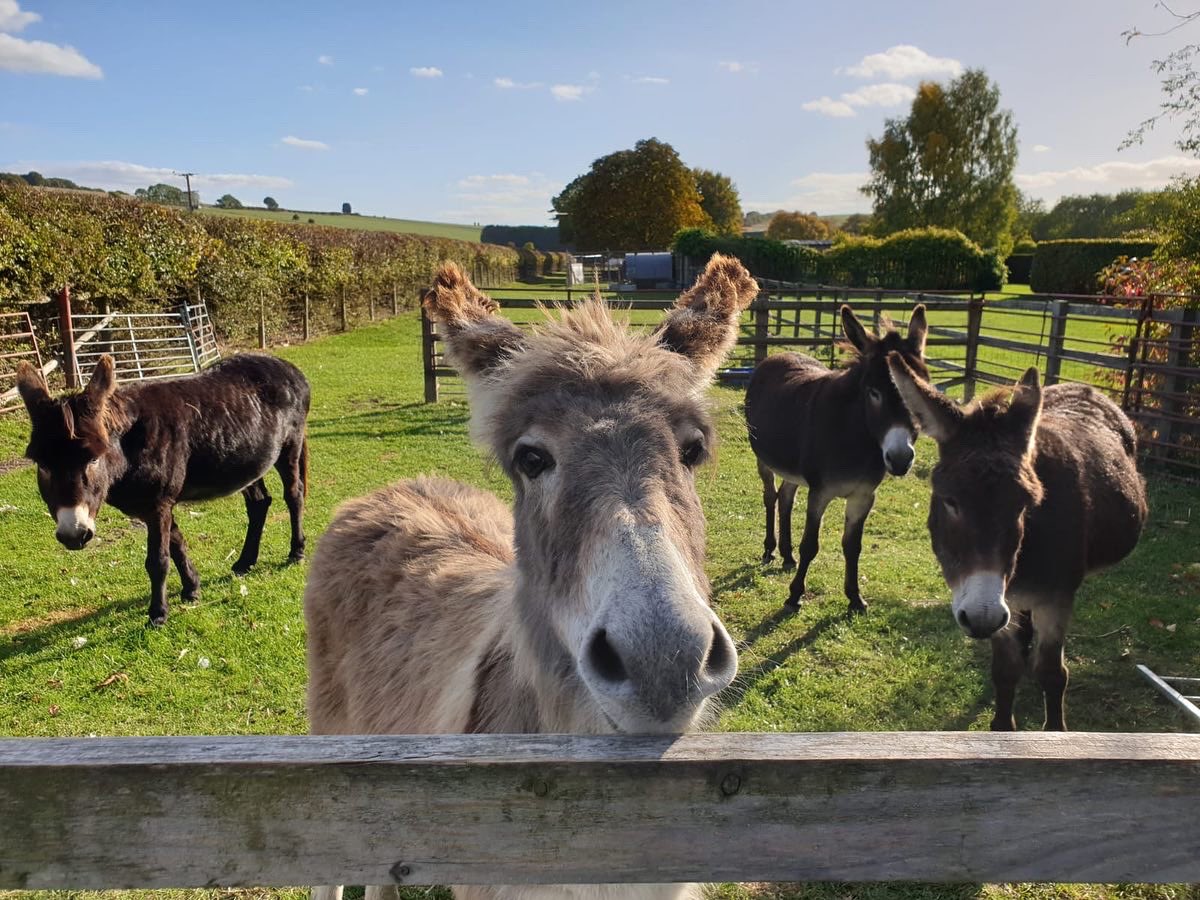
<point x="915" y="259"/>
<point x="128" y="255"/>
<point x="1073" y="266"/>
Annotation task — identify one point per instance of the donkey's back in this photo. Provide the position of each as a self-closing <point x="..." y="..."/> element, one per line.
<point x="1087" y="463"/>
<point x="410" y="588"/>
<point x="782" y="400"/>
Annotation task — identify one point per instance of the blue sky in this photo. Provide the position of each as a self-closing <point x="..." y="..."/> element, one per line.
<point x="465" y="112"/>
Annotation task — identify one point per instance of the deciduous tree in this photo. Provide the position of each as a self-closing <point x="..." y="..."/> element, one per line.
<point x="270" y="203"/>
<point x="228" y="201"/>
<point x="949" y="163"/>
<point x="798" y="226"/>
<point x="631" y="200"/>
<point x="720" y="201"/>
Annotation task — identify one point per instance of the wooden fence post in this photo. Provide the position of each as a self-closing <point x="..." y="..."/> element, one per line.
<point x="395" y="299"/>
<point x="1179" y="353"/>
<point x="762" y="327"/>
<point x="262" y="321"/>
<point x="428" y="362"/>
<point x="67" y="331"/>
<point x="877" y="315"/>
<point x="307" y="323"/>
<point x="371" y="304"/>
<point x="970" y="364"/>
<point x="816" y="314"/>
<point x="1058" y="337"/>
<point x="344" y="321"/>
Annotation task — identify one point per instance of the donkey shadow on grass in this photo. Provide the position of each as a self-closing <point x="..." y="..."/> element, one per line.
<point x="401" y="420"/>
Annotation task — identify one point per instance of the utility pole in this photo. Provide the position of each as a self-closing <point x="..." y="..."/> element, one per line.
<point x="187" y="176"/>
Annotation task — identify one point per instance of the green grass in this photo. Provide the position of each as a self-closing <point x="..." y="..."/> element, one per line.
<point x="355" y="222"/>
<point x="904" y="666"/>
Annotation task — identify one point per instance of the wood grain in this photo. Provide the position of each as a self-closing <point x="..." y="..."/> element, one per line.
<point x="235" y="811"/>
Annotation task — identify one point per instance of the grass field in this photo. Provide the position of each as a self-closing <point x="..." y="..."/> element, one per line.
<point x="76" y="658"/>
<point x="355" y="222"/>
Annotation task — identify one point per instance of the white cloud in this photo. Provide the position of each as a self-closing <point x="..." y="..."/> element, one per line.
<point x="13" y="18"/>
<point x="825" y="192"/>
<point x="904" y="61"/>
<point x="593" y="75"/>
<point x="325" y="60"/>
<point x="569" y="92"/>
<point x="1040" y="148"/>
<point x="508" y="84"/>
<point x="303" y="143"/>
<point x="42" y="58"/>
<point x="732" y="66"/>
<point x="126" y="176"/>
<point x="307" y="88"/>
<point x="1106" y="177"/>
<point x="887" y="94"/>
<point x="426" y="71"/>
<point x="650" y="79"/>
<point x="827" y="106"/>
<point x="506" y="198"/>
<point x="361" y="92"/>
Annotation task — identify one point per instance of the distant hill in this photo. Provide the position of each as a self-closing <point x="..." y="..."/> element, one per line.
<point x="354" y="222"/>
<point x="36" y="179"/>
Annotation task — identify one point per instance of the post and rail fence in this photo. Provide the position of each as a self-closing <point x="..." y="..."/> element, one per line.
<point x="1145" y="357"/>
<point x="176" y="812"/>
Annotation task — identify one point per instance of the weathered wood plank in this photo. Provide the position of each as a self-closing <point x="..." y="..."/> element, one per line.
<point x="182" y="812"/>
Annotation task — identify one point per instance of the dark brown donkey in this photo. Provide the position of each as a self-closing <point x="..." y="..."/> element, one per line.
<point x="1033" y="489"/>
<point x="145" y="447"/>
<point x="835" y="431"/>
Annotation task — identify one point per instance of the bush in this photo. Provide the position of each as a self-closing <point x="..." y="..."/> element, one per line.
<point x="916" y="259"/>
<point x="128" y="255"/>
<point x="1073" y="266"/>
<point x="543" y="237"/>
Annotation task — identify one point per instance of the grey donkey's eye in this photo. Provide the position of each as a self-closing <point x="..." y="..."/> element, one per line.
<point x="692" y="452"/>
<point x="951" y="506"/>
<point x="874" y="395"/>
<point x="532" y="461"/>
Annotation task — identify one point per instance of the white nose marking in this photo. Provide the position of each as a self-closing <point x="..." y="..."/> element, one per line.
<point x="72" y="520"/>
<point x="896" y="439"/>
<point x="981" y="596"/>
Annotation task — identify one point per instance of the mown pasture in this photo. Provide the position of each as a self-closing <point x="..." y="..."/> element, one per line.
<point x="76" y="658"/>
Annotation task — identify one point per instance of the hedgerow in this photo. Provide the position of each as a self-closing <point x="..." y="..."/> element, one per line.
<point x="916" y="259"/>
<point x="125" y="255"/>
<point x="1074" y="266"/>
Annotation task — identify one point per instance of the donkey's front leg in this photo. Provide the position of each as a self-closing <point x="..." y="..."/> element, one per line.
<point x="1008" y="663"/>
<point x="187" y="572"/>
<point x="158" y="561"/>
<point x="769" y="494"/>
<point x="1049" y="666"/>
<point x="858" y="507"/>
<point x="818" y="499"/>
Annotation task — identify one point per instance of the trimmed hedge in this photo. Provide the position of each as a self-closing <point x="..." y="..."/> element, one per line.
<point x="533" y="264"/>
<point x="543" y="237"/>
<point x="916" y="259"/>
<point x="1073" y="266"/>
<point x="1020" y="265"/>
<point x="126" y="254"/>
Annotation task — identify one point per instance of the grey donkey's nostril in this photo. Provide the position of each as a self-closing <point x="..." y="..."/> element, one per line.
<point x="963" y="620"/>
<point x="605" y="660"/>
<point x="720" y="655"/>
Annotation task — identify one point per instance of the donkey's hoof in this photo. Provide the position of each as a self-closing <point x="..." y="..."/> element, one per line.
<point x="767" y="557"/>
<point x="190" y="596"/>
<point x="792" y="604"/>
<point x="157" y="621"/>
<point x="789" y="564"/>
<point x="857" y="607"/>
<point x="242" y="568"/>
<point x="294" y="558"/>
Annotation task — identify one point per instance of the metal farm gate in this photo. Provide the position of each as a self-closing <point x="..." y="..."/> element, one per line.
<point x="17" y="342"/>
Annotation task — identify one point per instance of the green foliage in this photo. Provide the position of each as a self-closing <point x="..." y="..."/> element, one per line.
<point x="720" y="201"/>
<point x="797" y="226"/>
<point x="544" y="237"/>
<point x="271" y="203"/>
<point x="346" y="209"/>
<point x="1181" y="90"/>
<point x="1102" y="215"/>
<point x="857" y="223"/>
<point x="534" y="263"/>
<point x="1073" y="266"/>
<point x="630" y="200"/>
<point x="917" y="259"/>
<point x="949" y="164"/>
<point x="167" y="194"/>
<point x="127" y="254"/>
<point x="228" y="201"/>
<point x="1025" y="246"/>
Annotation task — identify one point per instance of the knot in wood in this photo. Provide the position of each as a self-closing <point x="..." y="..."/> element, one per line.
<point x="731" y="784"/>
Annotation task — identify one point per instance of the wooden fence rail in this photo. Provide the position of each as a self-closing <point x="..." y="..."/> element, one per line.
<point x="511" y="809"/>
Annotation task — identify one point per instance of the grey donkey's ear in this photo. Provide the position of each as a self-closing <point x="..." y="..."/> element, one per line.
<point x="477" y="339"/>
<point x="856" y="334"/>
<point x="31" y="386"/>
<point x="704" y="324"/>
<point x="938" y="415"/>
<point x="918" y="329"/>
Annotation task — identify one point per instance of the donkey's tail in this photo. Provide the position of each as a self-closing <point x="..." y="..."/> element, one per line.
<point x="304" y="464"/>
